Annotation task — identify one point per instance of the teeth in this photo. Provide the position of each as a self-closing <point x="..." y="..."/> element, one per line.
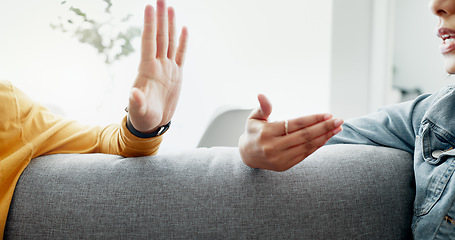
<point x="448" y="38"/>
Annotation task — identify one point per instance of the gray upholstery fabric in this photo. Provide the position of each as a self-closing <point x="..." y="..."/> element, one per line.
<point x="340" y="192"/>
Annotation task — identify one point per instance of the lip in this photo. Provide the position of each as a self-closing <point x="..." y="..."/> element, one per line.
<point x="445" y="34"/>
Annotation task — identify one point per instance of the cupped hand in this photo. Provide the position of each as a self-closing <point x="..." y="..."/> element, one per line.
<point x="156" y="90"/>
<point x="267" y="145"/>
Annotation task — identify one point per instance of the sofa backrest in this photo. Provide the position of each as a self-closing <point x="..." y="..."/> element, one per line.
<point x="339" y="192"/>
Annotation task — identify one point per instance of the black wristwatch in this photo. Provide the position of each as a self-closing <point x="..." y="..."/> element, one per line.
<point x="160" y="131"/>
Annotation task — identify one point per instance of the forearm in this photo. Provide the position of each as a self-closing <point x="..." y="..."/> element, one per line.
<point x="119" y="140"/>
<point x="64" y="136"/>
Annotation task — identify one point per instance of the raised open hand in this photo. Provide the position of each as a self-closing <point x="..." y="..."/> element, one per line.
<point x="156" y="91"/>
<point x="280" y="145"/>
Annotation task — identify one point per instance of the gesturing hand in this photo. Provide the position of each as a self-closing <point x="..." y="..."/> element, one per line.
<point x="155" y="92"/>
<point x="267" y="145"/>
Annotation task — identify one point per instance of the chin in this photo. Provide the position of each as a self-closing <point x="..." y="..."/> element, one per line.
<point x="450" y="70"/>
<point x="450" y="64"/>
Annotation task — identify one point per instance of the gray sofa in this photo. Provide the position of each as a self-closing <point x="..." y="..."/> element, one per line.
<point x="339" y="192"/>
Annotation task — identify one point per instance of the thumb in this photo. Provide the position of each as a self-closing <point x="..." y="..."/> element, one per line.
<point x="137" y="101"/>
<point x="264" y="110"/>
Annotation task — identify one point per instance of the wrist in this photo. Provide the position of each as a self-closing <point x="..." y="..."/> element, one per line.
<point x="158" y="132"/>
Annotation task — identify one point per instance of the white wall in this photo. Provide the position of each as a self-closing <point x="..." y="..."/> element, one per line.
<point x="417" y="60"/>
<point x="237" y="49"/>
<point x="362" y="56"/>
<point x="350" y="62"/>
<point x="378" y="45"/>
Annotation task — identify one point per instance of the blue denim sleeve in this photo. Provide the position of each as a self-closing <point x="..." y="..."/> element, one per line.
<point x="393" y="126"/>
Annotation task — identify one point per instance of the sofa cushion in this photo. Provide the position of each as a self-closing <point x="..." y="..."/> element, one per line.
<point x="339" y="192"/>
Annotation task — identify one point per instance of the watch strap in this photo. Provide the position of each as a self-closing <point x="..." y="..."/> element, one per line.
<point x="160" y="131"/>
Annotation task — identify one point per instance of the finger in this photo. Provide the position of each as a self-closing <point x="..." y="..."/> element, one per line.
<point x="162" y="36"/>
<point x="303" y="122"/>
<point x="149" y="34"/>
<point x="181" y="50"/>
<point x="309" y="134"/>
<point x="172" y="44"/>
<point x="264" y="110"/>
<point x="278" y="128"/>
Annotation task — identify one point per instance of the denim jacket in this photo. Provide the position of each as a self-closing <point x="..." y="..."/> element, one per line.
<point x="424" y="127"/>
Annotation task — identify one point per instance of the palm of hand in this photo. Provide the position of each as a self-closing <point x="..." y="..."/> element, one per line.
<point x="155" y="93"/>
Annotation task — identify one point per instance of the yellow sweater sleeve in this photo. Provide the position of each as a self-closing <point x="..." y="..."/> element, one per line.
<point x="28" y="130"/>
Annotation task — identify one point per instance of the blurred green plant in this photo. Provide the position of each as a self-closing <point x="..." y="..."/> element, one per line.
<point x="105" y="35"/>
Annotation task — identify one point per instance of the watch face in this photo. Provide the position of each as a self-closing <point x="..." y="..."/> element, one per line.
<point x="163" y="129"/>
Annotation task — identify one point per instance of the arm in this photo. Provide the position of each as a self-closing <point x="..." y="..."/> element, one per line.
<point x="153" y="98"/>
<point x="36" y="129"/>
<point x="269" y="145"/>
<point x="393" y="126"/>
<point x="263" y="145"/>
